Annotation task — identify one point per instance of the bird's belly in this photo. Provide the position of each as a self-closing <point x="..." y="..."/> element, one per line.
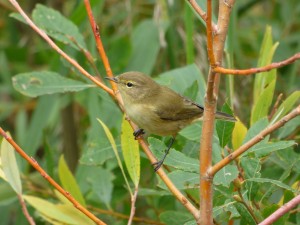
<point x="147" y="119"/>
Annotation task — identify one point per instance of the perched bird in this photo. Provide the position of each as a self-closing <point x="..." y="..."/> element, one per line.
<point x="157" y="109"/>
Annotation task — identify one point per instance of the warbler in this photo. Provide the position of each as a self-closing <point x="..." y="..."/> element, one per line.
<point x="157" y="109"/>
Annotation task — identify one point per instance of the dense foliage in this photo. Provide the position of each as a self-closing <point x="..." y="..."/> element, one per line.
<point x="51" y="110"/>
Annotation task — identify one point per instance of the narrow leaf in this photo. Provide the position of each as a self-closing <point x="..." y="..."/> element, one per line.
<point x="34" y="84"/>
<point x="131" y="154"/>
<point x="10" y="166"/>
<point x="68" y="181"/>
<point x="245" y="215"/>
<point x="114" y="147"/>
<point x="182" y="180"/>
<point x="267" y="148"/>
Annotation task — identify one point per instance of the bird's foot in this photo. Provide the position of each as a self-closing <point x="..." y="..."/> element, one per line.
<point x="137" y="133"/>
<point x="157" y="165"/>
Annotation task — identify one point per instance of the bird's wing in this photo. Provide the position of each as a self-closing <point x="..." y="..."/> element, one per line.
<point x="178" y="109"/>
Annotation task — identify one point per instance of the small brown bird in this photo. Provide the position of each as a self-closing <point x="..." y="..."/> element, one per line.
<point x="157" y="109"/>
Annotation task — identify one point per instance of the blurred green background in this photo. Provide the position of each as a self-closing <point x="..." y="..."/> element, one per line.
<point x="153" y="37"/>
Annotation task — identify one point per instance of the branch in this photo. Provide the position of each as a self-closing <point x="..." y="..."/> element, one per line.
<point x="206" y="184"/>
<point x="201" y="13"/>
<point x="25" y="211"/>
<point x="133" y="201"/>
<point x="250" y="71"/>
<point x="209" y="34"/>
<point x="35" y="165"/>
<point x="281" y="211"/>
<point x="254" y="140"/>
<point x="59" y="50"/>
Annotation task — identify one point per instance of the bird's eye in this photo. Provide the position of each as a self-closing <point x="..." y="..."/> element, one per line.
<point x="129" y="84"/>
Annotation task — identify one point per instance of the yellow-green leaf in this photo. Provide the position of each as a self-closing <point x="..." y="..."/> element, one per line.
<point x="10" y="166"/>
<point x="131" y="154"/>
<point x="114" y="147"/>
<point x="238" y="134"/>
<point x="63" y="213"/>
<point x="68" y="181"/>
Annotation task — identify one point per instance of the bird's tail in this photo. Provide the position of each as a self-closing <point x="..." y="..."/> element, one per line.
<point x="225" y="116"/>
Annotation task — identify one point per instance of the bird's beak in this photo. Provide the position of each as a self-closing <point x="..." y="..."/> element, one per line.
<point x="114" y="79"/>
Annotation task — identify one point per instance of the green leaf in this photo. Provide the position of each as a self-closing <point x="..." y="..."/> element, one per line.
<point x="145" y="47"/>
<point x="182" y="180"/>
<point x="266" y="148"/>
<point x="224" y="128"/>
<point x="102" y="184"/>
<point x="7" y="194"/>
<point x="175" y="158"/>
<point x="131" y="154"/>
<point x="97" y="148"/>
<point x="65" y="214"/>
<point x="238" y="134"/>
<point x="34" y="84"/>
<point x="251" y="167"/>
<point x="68" y="181"/>
<point x="264" y="83"/>
<point x="275" y="182"/>
<point x="192" y="132"/>
<point x="263" y="103"/>
<point x="175" y="217"/>
<point x="114" y="147"/>
<point x="286" y="106"/>
<point x="10" y="166"/>
<point x="267" y="51"/>
<point x="181" y="79"/>
<point x="245" y="215"/>
<point x="58" y="26"/>
<point x="256" y="129"/>
<point x="226" y="175"/>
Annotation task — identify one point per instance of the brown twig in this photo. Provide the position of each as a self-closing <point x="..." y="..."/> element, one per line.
<point x="184" y="201"/>
<point x="58" y="50"/>
<point x="254" y="140"/>
<point x="25" y="211"/>
<point x="281" y="211"/>
<point x="126" y="217"/>
<point x="250" y="71"/>
<point x="132" y="211"/>
<point x="209" y="35"/>
<point x="36" y="166"/>
<point x="201" y="13"/>
<point x="275" y="107"/>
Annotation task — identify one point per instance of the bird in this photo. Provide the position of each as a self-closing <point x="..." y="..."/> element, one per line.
<point x="157" y="109"/>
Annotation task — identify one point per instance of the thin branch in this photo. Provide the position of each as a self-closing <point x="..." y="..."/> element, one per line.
<point x="25" y="211"/>
<point x="36" y="166"/>
<point x="201" y="13"/>
<point x="275" y="107"/>
<point x="58" y="50"/>
<point x="133" y="201"/>
<point x="281" y="211"/>
<point x="99" y="44"/>
<point x="254" y="140"/>
<point x="250" y="71"/>
<point x="209" y="34"/>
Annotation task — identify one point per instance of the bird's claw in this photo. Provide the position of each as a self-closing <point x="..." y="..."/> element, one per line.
<point x="138" y="133"/>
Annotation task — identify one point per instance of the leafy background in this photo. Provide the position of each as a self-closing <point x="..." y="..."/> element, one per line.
<point x="167" y="41"/>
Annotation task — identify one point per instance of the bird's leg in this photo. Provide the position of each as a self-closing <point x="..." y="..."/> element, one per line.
<point x="138" y="133"/>
<point x="159" y="163"/>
